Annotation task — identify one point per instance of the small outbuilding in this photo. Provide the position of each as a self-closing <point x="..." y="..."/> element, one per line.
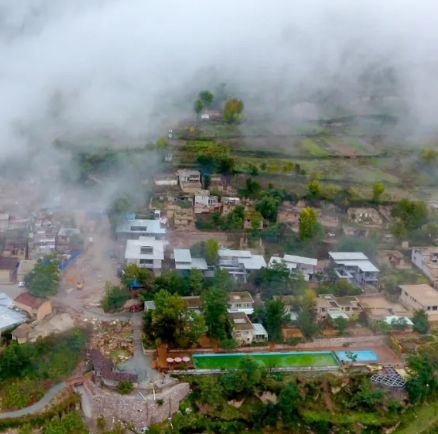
<point x="37" y="308"/>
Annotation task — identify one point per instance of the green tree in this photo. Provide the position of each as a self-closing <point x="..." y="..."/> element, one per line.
<point x="368" y="396"/>
<point x="252" y="188"/>
<point x="351" y="356"/>
<point x="429" y="155"/>
<point x="263" y="166"/>
<point x="412" y="213"/>
<point x="44" y="278"/>
<point x="196" y="281"/>
<point x="198" y="106"/>
<point x="273" y="168"/>
<point x="235" y="218"/>
<point x="245" y="379"/>
<point x="315" y="189"/>
<point x="253" y="170"/>
<point x="216" y="312"/>
<point x="114" y="298"/>
<point x="233" y="110"/>
<point x="275" y="317"/>
<point x="225" y="165"/>
<point x="224" y="280"/>
<point x="206" y="97"/>
<point x="207" y="181"/>
<point x="289" y="399"/>
<point x="268" y="208"/>
<point x="306" y="323"/>
<point x="378" y="190"/>
<point x="101" y="422"/>
<point x="422" y="380"/>
<point x="125" y="387"/>
<point x="162" y="142"/>
<point x="308" y="221"/>
<point x="212" y="251"/>
<point x="212" y="391"/>
<point x="341" y="324"/>
<point x="133" y="272"/>
<point x="421" y="321"/>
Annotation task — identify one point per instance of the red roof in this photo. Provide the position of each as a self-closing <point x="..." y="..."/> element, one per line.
<point x="29" y="300"/>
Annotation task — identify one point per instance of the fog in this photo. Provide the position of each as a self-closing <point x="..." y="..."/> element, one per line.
<point x="129" y="68"/>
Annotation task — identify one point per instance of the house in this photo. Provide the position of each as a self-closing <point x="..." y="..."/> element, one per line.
<point x="37" y="308"/>
<point x="421" y="296"/>
<point x="426" y="259"/>
<point x="146" y="252"/>
<point x="329" y="306"/>
<point x="25" y="267"/>
<point x="379" y="308"/>
<point x="369" y="217"/>
<point x="134" y="229"/>
<point x="216" y="183"/>
<point x="249" y="217"/>
<point x="229" y="204"/>
<point x="244" y="332"/>
<point x="393" y="320"/>
<point x="194" y="302"/>
<point x="204" y="203"/>
<point x="10" y="316"/>
<point x="68" y="241"/>
<point x="240" y="263"/>
<point x="8" y="269"/>
<point x="241" y="302"/>
<point x="181" y="216"/>
<point x="184" y="261"/>
<point x="16" y="247"/>
<point x="306" y="265"/>
<point x="165" y="179"/>
<point x="189" y="180"/>
<point x="21" y="332"/>
<point x="393" y="258"/>
<point x="354" y="266"/>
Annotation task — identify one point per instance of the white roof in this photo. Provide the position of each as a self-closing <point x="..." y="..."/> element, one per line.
<point x="9" y="316"/>
<point x="152" y="226"/>
<point x="149" y="305"/>
<point x="278" y="260"/>
<point x="300" y="260"/>
<point x="182" y="255"/>
<point x="199" y="263"/>
<point x="133" y="248"/>
<point x="259" y="330"/>
<point x="348" y="256"/>
<point x="395" y="318"/>
<point x="246" y="310"/>
<point x="227" y="253"/>
<point x="362" y="265"/>
<point x="338" y="314"/>
<point x="254" y="263"/>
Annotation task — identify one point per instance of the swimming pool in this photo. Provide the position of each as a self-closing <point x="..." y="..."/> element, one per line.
<point x="277" y="360"/>
<point x="362" y="356"/>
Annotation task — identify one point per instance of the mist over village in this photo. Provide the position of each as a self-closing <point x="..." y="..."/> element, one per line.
<point x="218" y="217"/>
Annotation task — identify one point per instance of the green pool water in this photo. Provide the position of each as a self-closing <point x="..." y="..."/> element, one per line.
<point x="269" y="360"/>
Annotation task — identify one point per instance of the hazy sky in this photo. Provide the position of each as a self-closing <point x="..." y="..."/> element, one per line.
<point x="89" y="65"/>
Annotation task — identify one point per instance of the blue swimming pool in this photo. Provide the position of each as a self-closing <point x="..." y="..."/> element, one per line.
<point x="362" y="356"/>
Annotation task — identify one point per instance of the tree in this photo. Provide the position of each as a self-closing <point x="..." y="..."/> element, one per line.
<point x="263" y="166"/>
<point x="125" y="387"/>
<point x="421" y="321"/>
<point x="378" y="190"/>
<point x="369" y="396"/>
<point x="308" y="221"/>
<point x="212" y="251"/>
<point x="273" y="168"/>
<point x="44" y="278"/>
<point x="413" y="214"/>
<point x="399" y="230"/>
<point x="198" y="106"/>
<point x="350" y="355"/>
<point x="196" y="281"/>
<point x="341" y="324"/>
<point x="133" y="272"/>
<point x="252" y="188"/>
<point x="245" y="379"/>
<point x="315" y="189"/>
<point x="306" y="323"/>
<point x="288" y="167"/>
<point x="232" y="111"/>
<point x="215" y="312"/>
<point x="212" y="391"/>
<point x="225" y="165"/>
<point x="101" y="422"/>
<point x="422" y="380"/>
<point x="207" y="181"/>
<point x="268" y="208"/>
<point x="275" y="317"/>
<point x="399" y="324"/>
<point x="224" y="280"/>
<point x="253" y="170"/>
<point x="206" y="97"/>
<point x="289" y="399"/>
<point x="162" y="142"/>
<point x="114" y="298"/>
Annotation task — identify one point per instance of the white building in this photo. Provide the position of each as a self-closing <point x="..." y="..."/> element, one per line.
<point x="241" y="302"/>
<point x="146" y="252"/>
<point x="133" y="229"/>
<point x="426" y="259"/>
<point x="244" y="331"/>
<point x="165" y="179"/>
<point x="184" y="261"/>
<point x="306" y="265"/>
<point x="189" y="179"/>
<point x="240" y="263"/>
<point x="355" y="267"/>
<point x="206" y="203"/>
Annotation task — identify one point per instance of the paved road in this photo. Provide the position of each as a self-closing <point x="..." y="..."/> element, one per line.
<point x="85" y="402"/>
<point x="37" y="406"/>
<point x="120" y="317"/>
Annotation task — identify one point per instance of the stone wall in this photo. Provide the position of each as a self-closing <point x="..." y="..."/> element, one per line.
<point x="339" y="342"/>
<point x="134" y="408"/>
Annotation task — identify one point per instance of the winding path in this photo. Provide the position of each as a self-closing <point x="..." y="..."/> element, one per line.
<point x="37" y="406"/>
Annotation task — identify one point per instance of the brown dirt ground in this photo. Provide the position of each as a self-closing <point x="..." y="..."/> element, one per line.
<point x="184" y="238"/>
<point x="343" y="149"/>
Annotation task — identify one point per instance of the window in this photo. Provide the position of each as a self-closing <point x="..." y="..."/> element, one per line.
<point x="245" y="333"/>
<point x="139" y="228"/>
<point x="146" y="250"/>
<point x="434" y="307"/>
<point x="146" y="261"/>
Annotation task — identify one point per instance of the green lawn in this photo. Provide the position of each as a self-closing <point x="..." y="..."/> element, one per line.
<point x="313" y="148"/>
<point x="425" y="416"/>
<point x="231" y="361"/>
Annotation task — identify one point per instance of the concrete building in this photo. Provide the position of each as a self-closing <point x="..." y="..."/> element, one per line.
<point x="10" y="316"/>
<point x="16" y="248"/>
<point x="134" y="229"/>
<point x="393" y="258"/>
<point x="421" y="296"/>
<point x="68" y="241"/>
<point x="181" y="216"/>
<point x="294" y="263"/>
<point x="165" y="179"/>
<point x="241" y="302"/>
<point x="25" y="267"/>
<point x="37" y="308"/>
<point x="204" y="203"/>
<point x="146" y="252"/>
<point x="216" y="183"/>
<point x="185" y="262"/>
<point x="355" y="267"/>
<point x="426" y="259"/>
<point x="189" y="180"/>
<point x="8" y="269"/>
<point x="379" y="308"/>
<point x="365" y="216"/>
<point x="244" y="332"/>
<point x="229" y="204"/>
<point x="240" y="263"/>
<point x="329" y="306"/>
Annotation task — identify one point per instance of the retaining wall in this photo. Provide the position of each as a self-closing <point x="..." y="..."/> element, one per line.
<point x="282" y="369"/>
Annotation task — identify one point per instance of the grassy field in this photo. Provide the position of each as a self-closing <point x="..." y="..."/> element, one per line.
<point x="313" y="148"/>
<point x="425" y="416"/>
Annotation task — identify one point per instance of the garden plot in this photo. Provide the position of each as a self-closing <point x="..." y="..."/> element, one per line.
<point x="315" y="147"/>
<point x="350" y="147"/>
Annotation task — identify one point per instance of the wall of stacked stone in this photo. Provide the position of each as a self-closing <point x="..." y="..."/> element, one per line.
<point x="140" y="412"/>
<point x="339" y="342"/>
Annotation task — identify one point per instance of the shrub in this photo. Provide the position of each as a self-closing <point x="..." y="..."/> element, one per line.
<point x="125" y="387"/>
<point x="115" y="297"/>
